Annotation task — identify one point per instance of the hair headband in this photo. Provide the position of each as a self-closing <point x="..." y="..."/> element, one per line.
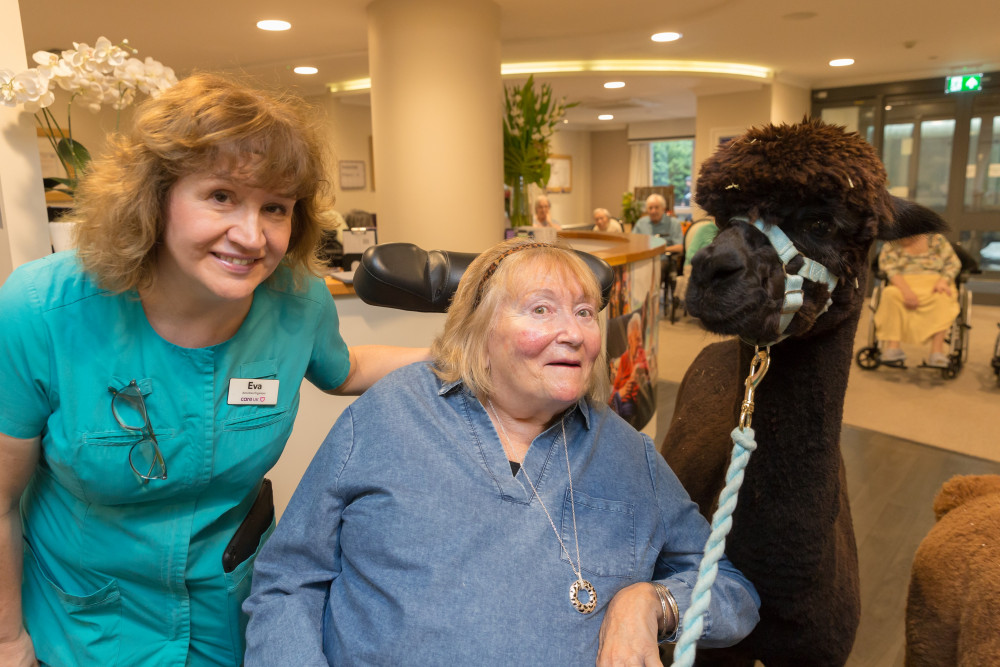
<point x="496" y="263"/>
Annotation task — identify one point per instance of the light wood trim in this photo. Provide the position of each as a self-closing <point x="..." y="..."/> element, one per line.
<point x="338" y="288"/>
<point x="622" y="248"/>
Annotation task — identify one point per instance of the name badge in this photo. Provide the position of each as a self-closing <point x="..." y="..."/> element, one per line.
<point x="249" y="391"/>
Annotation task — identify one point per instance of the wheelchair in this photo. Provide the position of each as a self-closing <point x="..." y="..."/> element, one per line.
<point x="670" y="268"/>
<point x="957" y="339"/>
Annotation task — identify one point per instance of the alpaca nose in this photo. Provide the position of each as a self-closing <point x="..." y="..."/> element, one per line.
<point x="716" y="264"/>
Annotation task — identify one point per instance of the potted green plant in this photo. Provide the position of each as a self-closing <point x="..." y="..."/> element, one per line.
<point x="631" y="210"/>
<point x="530" y="120"/>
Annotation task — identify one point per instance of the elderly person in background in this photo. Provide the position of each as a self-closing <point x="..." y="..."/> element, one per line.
<point x="523" y="522"/>
<point x="656" y="221"/>
<point x="604" y="223"/>
<point x="151" y="378"/>
<point x="543" y="214"/>
<point x="920" y="302"/>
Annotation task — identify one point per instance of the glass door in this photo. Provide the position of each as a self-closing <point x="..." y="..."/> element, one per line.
<point x="979" y="218"/>
<point x="917" y="146"/>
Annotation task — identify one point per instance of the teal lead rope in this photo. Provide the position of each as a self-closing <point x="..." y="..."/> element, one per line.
<point x="722" y="521"/>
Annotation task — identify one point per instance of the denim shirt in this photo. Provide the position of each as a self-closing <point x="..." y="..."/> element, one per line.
<point x="408" y="541"/>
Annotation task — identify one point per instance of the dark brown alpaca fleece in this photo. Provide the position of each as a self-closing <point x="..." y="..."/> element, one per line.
<point x="954" y="600"/>
<point x="792" y="533"/>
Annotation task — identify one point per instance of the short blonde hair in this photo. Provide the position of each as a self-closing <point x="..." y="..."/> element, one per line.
<point x="204" y="122"/>
<point x="492" y="281"/>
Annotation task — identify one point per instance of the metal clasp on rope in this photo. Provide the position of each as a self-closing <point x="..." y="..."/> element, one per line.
<point x="758" y="368"/>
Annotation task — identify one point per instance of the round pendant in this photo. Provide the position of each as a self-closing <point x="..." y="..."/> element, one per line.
<point x="574" y="596"/>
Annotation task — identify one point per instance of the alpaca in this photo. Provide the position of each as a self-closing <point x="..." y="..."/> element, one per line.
<point x="792" y="534"/>
<point x="954" y="600"/>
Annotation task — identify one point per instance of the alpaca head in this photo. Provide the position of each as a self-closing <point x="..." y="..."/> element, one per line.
<point x="825" y="189"/>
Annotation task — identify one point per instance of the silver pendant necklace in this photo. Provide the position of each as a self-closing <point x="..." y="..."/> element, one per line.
<point x="580" y="583"/>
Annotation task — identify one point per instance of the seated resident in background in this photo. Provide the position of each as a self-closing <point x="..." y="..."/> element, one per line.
<point x="919" y="303"/>
<point x="468" y="545"/>
<point x="656" y="221"/>
<point x="604" y="223"/>
<point x="543" y="214"/>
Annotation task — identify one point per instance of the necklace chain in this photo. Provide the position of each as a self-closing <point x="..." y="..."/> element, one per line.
<point x="582" y="607"/>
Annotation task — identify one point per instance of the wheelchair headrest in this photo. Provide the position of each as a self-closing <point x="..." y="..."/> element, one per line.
<point x="405" y="277"/>
<point x="969" y="263"/>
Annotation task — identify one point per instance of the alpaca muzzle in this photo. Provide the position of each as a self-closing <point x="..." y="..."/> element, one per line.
<point x="810" y="270"/>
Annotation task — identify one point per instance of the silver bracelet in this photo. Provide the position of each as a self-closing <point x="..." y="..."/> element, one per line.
<point x="666" y="599"/>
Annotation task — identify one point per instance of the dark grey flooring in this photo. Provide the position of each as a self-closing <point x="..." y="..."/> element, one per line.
<point x="891" y="483"/>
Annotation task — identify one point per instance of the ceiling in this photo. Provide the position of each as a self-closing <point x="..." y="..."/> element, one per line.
<point x="890" y="40"/>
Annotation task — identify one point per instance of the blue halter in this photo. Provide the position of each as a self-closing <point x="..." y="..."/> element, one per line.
<point x="811" y="270"/>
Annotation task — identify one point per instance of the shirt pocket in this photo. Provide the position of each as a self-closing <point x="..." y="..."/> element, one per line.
<point x="101" y="465"/>
<point x="605" y="531"/>
<point x="255" y="420"/>
<point x="70" y="628"/>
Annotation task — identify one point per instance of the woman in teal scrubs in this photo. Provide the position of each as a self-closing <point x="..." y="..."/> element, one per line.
<point x="151" y="378"/>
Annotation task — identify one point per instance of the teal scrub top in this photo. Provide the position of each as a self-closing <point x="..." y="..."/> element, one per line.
<point x="117" y="572"/>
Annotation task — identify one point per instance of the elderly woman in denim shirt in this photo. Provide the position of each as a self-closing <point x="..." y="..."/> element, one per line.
<point x="488" y="507"/>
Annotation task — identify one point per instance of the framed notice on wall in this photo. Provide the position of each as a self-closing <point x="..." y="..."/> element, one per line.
<point x="561" y="178"/>
<point x="352" y="174"/>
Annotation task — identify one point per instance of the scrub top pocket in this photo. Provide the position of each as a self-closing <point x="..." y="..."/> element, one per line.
<point x="92" y="618"/>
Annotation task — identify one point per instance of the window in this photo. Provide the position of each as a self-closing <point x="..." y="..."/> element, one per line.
<point x="672" y="163"/>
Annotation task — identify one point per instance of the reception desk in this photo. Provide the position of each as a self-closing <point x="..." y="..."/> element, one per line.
<point x="631" y="318"/>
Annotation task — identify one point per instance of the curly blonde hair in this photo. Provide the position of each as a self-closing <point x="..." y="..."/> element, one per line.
<point x="493" y="280"/>
<point x="204" y="122"/>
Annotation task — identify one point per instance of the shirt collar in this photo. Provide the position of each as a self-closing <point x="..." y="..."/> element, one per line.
<point x="582" y="405"/>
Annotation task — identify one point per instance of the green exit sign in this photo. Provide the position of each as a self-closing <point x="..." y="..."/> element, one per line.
<point x="963" y="83"/>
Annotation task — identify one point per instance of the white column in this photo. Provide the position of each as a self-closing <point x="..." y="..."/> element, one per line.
<point x="24" y="231"/>
<point x="437" y="102"/>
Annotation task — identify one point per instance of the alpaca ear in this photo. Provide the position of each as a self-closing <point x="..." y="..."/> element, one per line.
<point x="910" y="218"/>
<point x="960" y="489"/>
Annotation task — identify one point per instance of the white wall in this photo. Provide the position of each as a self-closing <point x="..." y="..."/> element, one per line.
<point x="661" y="129"/>
<point x="789" y="103"/>
<point x="571" y="208"/>
<point x="609" y="156"/>
<point x="24" y="233"/>
<point x="349" y="131"/>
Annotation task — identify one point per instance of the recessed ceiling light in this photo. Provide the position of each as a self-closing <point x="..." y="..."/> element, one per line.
<point x="615" y="84"/>
<point x="841" y="62"/>
<point x="605" y="116"/>
<point x="273" y="24"/>
<point x="305" y="70"/>
<point x="666" y="37"/>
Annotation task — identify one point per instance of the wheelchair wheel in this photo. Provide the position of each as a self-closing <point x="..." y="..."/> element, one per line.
<point x="954" y="366"/>
<point x="964" y="327"/>
<point x="868" y="358"/>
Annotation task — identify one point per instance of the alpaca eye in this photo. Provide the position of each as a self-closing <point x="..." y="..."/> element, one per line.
<point x="822" y="229"/>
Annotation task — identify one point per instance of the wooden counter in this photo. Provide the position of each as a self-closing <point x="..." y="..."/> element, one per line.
<point x="614" y="248"/>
